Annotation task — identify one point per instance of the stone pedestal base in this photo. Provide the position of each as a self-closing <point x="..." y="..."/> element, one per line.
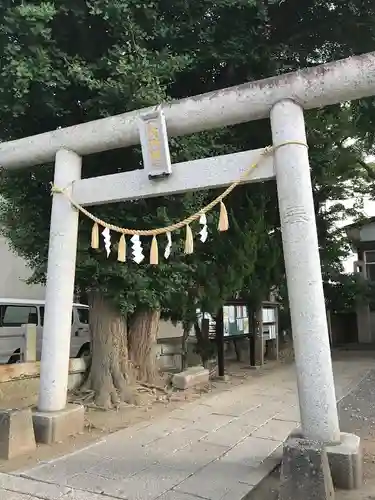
<point x="305" y="472"/>
<point x="52" y="427"/>
<point x="345" y="460"/>
<point x="16" y="433"/>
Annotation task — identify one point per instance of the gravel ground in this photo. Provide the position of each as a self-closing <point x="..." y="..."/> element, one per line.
<point x="357" y="415"/>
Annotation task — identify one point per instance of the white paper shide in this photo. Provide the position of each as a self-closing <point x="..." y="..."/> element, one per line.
<point x="107" y="240"/>
<point x="137" y="250"/>
<point x="168" y="248"/>
<point x="204" y="231"/>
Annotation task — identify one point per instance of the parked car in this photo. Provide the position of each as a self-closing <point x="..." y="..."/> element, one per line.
<point x="14" y="313"/>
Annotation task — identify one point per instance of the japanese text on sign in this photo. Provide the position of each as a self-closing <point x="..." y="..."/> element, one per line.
<point x="154" y="142"/>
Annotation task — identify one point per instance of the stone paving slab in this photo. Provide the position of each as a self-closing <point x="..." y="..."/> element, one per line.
<point x="276" y="430"/>
<point x="33" y="488"/>
<point x="84" y="495"/>
<point x="18" y="496"/>
<point x="217" y="448"/>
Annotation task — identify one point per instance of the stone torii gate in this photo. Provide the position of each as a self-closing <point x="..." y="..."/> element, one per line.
<point x="282" y="99"/>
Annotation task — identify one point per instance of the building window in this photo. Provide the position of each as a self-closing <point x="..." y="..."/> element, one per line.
<point x="14" y="315"/>
<point x="268" y="315"/>
<point x="370" y="264"/>
<point x="83" y="315"/>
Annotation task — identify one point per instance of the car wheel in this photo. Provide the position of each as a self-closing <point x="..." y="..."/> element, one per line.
<point x="85" y="354"/>
<point x="15" y="358"/>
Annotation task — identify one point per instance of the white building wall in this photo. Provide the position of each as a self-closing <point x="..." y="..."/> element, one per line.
<point x="169" y="331"/>
<point x="13" y="275"/>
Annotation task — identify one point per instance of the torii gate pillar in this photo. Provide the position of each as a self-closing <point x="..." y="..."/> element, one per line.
<point x="54" y="419"/>
<point x="316" y="388"/>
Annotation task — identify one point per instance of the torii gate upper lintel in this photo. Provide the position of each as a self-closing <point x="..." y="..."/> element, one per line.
<point x="315" y="87"/>
<point x="281" y="98"/>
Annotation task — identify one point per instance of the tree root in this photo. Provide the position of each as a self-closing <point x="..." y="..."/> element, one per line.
<point x="156" y="387"/>
<point x="113" y="399"/>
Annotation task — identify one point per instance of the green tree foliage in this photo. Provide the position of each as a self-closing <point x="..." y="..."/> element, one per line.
<point x="69" y="62"/>
<point x="79" y="61"/>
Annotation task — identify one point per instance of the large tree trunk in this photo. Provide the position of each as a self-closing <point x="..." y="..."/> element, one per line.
<point x="109" y="371"/>
<point x="142" y="344"/>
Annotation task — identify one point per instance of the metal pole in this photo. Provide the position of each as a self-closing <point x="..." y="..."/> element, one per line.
<point x="252" y="333"/>
<point x="220" y="343"/>
<point x="54" y="368"/>
<point x="309" y="323"/>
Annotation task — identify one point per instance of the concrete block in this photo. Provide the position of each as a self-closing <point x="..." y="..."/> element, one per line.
<point x="190" y="377"/>
<point x="305" y="472"/>
<point x="77" y="371"/>
<point x="31" y="370"/>
<point x="345" y="461"/>
<point x="29" y="354"/>
<point x="16" y="433"/>
<point x="52" y="427"/>
<point x="75" y="380"/>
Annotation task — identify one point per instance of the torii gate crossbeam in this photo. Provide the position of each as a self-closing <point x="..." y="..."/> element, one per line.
<point x="315" y="87"/>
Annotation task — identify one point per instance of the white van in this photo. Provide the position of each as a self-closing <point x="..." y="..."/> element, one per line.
<point x="17" y="312"/>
